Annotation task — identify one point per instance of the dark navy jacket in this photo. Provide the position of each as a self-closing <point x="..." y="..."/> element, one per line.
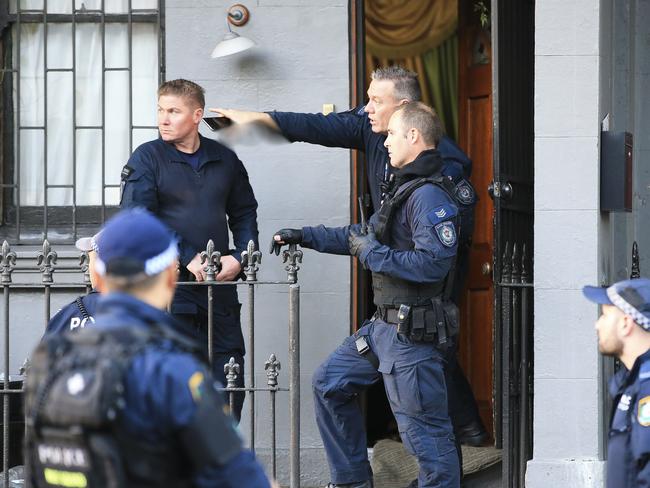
<point x="197" y="205"/>
<point x="628" y="450"/>
<point x="352" y="130"/>
<point x="159" y="400"/>
<point x="70" y="317"/>
<point x="422" y="237"/>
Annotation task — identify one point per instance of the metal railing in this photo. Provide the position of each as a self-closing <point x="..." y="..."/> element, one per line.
<point x="46" y="264"/>
<point x="515" y="302"/>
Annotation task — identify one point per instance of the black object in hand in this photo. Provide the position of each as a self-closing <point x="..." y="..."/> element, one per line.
<point x="287" y="236"/>
<point x="359" y="240"/>
<point x="216" y="123"/>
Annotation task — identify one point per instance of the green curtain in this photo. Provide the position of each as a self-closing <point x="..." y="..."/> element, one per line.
<point x="441" y="68"/>
<point x="437" y="70"/>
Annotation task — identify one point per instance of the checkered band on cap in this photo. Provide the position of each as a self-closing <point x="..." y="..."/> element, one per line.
<point x="628" y="309"/>
<point x="152" y="266"/>
<point x="158" y="264"/>
<point x="93" y="243"/>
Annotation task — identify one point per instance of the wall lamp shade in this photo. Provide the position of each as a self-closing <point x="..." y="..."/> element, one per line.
<point x="230" y="44"/>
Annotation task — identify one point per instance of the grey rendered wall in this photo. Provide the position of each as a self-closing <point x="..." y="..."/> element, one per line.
<point x="300" y="63"/>
<point x="639" y="41"/>
<point x="625" y="82"/>
<point x="566" y="427"/>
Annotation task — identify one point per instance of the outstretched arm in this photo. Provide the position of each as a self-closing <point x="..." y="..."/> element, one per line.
<point x="247" y="117"/>
<point x="345" y="129"/>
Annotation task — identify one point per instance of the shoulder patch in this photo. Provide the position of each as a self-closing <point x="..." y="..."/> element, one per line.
<point x="465" y="193"/>
<point x="643" y="414"/>
<point x="195" y="383"/>
<point x="446" y="233"/>
<point x="442" y="213"/>
<point x="126" y="172"/>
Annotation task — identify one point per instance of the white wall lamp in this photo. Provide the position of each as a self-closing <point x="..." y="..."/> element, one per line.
<point x="232" y="42"/>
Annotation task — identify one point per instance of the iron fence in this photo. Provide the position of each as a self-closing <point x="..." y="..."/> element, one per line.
<point x="515" y="371"/>
<point x="46" y="264"/>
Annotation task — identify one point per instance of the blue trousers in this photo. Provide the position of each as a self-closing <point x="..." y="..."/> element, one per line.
<point x="415" y="387"/>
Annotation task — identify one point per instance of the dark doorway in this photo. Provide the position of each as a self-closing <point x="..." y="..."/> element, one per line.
<point x="455" y="75"/>
<point x="495" y="49"/>
<point x="512" y="191"/>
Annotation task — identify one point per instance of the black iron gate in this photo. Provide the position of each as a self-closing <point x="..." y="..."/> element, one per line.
<point x="512" y="192"/>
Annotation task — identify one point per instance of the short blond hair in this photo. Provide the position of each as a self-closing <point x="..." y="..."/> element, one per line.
<point x="183" y="88"/>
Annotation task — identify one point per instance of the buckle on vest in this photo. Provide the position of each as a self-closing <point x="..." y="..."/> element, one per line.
<point x="362" y="345"/>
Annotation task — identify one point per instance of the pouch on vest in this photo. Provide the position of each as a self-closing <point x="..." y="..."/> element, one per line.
<point x="73" y="396"/>
<point x="73" y="393"/>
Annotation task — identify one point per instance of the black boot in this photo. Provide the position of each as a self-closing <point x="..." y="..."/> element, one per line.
<point x="472" y="434"/>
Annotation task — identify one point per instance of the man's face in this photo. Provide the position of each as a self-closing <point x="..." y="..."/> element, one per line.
<point x="178" y="118"/>
<point x="399" y="149"/>
<point x="381" y="104"/>
<point x="607" y="326"/>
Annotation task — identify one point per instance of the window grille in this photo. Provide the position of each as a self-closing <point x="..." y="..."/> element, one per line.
<point x="79" y="81"/>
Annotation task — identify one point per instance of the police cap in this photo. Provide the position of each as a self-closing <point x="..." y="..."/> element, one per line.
<point x="630" y="296"/>
<point x="134" y="242"/>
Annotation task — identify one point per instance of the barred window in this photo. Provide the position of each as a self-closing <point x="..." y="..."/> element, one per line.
<point x="79" y="81"/>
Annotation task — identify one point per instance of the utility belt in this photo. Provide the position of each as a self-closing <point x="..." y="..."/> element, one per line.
<point x="435" y="322"/>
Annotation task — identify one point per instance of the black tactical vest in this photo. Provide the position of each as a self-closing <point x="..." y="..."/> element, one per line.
<point x="74" y="394"/>
<point x="392" y="292"/>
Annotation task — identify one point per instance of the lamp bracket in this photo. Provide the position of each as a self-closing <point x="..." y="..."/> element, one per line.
<point x="238" y="15"/>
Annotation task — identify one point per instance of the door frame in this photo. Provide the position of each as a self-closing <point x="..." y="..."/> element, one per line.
<point x="359" y="280"/>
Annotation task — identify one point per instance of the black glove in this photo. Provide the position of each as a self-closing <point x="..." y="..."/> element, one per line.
<point x="359" y="241"/>
<point x="287" y="236"/>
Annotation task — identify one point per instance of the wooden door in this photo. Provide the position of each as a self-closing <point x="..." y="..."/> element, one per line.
<point x="475" y="137"/>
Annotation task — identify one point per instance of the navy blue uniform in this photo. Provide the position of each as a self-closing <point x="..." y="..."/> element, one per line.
<point x="352" y="130"/>
<point x="198" y="205"/>
<point x="163" y="386"/>
<point x="628" y="450"/>
<point x="71" y="317"/>
<point x="412" y="372"/>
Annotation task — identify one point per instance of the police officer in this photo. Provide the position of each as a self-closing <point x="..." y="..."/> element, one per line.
<point x="199" y="188"/>
<point x="624" y="332"/>
<point x="410" y="248"/>
<point x="365" y="128"/>
<point x="171" y="429"/>
<point x="80" y="312"/>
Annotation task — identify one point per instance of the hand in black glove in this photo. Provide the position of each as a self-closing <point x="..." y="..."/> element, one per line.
<point x="285" y="236"/>
<point x="358" y="241"/>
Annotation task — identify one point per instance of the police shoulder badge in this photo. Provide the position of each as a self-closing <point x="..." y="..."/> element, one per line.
<point x="446" y="233"/>
<point x="195" y="384"/>
<point x="465" y="193"/>
<point x="643" y="414"/>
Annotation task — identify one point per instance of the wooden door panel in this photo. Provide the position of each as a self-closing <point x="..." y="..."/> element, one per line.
<point x="475" y="117"/>
<point x="478" y="310"/>
<point x="479" y="149"/>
